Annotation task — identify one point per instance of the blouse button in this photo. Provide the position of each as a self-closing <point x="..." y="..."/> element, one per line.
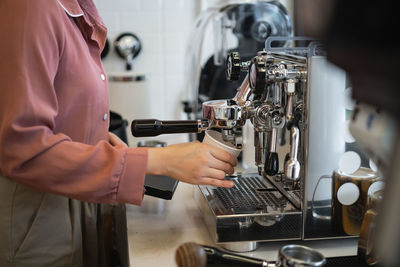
<point x="105" y="116"/>
<point x="103" y="77"/>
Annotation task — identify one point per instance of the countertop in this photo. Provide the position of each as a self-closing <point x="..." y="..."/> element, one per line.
<point x="159" y="227"/>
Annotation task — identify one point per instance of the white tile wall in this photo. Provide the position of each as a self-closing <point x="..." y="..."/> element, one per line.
<point x="163" y="27"/>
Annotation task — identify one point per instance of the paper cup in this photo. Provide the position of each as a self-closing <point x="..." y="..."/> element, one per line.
<point x="214" y="138"/>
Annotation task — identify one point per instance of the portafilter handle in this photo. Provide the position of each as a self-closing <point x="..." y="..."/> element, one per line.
<point x="191" y="254"/>
<point x="153" y="127"/>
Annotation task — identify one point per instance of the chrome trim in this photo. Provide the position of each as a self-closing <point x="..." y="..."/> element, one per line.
<point x="240" y="246"/>
<point x="295" y="202"/>
<point x="298" y="255"/>
<point x="202" y="125"/>
<point x="243" y="92"/>
<point x="292" y="166"/>
<point x="221" y="114"/>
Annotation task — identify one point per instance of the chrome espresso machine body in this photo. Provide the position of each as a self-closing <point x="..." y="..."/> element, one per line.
<point x="294" y="99"/>
<point x="295" y="102"/>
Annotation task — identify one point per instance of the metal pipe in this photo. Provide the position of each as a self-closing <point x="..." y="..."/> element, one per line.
<point x="243" y="92"/>
<point x="292" y="166"/>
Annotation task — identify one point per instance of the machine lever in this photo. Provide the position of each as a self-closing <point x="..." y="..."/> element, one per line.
<point x="152" y="127"/>
<point x="271" y="165"/>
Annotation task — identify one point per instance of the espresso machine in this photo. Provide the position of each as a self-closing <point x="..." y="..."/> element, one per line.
<point x="295" y="101"/>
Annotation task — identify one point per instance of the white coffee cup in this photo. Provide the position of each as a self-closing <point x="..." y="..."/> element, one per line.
<point x="214" y="138"/>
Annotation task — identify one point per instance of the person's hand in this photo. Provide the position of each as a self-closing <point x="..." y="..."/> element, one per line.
<point x="193" y="163"/>
<point x="115" y="141"/>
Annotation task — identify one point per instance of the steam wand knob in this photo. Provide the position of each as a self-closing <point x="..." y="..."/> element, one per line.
<point x="271" y="166"/>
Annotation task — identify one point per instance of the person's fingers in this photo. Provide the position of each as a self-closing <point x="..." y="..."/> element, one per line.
<point x="223" y="155"/>
<point x="112" y="138"/>
<point x="214" y="173"/>
<point x="115" y="140"/>
<point x="221" y="165"/>
<point x="230" y="171"/>
<point x="216" y="182"/>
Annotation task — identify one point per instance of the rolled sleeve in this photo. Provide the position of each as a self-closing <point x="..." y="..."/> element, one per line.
<point x="131" y="181"/>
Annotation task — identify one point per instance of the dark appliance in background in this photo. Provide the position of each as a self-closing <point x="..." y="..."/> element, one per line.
<point x="106" y="49"/>
<point x="118" y="126"/>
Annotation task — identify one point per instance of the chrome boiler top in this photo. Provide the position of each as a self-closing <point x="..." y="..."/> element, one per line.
<point x="272" y="98"/>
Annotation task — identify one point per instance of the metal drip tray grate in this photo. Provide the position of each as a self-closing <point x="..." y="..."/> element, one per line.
<point x="249" y="195"/>
<point x="252" y="210"/>
<point x="295" y="193"/>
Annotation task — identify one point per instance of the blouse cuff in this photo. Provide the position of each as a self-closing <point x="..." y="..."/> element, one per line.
<point x="131" y="184"/>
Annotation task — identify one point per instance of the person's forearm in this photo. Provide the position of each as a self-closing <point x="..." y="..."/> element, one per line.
<point x="156" y="163"/>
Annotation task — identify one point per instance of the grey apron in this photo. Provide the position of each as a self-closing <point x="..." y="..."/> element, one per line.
<point x="40" y="229"/>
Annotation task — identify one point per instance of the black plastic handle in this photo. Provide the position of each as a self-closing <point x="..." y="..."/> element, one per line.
<point x="271" y="163"/>
<point x="152" y="127"/>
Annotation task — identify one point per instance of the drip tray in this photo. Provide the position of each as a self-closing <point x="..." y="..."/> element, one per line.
<point x="252" y="210"/>
<point x="250" y="195"/>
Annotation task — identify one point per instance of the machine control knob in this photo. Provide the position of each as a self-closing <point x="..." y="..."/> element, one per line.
<point x="257" y="75"/>
<point x="271" y="163"/>
<point x="233" y="66"/>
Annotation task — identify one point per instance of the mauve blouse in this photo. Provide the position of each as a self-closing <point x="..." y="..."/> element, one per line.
<point x="54" y="110"/>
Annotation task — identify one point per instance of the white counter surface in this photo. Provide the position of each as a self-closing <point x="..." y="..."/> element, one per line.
<point x="159" y="227"/>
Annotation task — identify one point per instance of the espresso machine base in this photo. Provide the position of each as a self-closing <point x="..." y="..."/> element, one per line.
<point x="255" y="211"/>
